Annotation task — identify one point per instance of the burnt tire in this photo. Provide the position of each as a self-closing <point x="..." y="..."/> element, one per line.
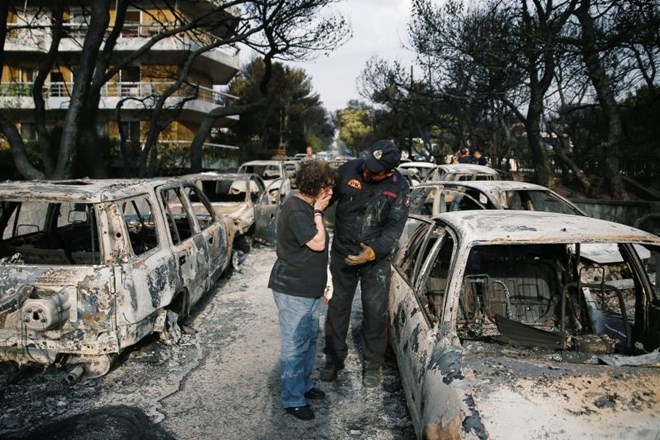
<point x="242" y="243"/>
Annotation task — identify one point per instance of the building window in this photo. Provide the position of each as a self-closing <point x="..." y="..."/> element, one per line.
<point x="57" y="85"/>
<point x="129" y="81"/>
<point x="131" y="28"/>
<point x="131" y="131"/>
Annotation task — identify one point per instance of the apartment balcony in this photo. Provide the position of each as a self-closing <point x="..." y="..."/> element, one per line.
<point x="134" y="97"/>
<point x="221" y="64"/>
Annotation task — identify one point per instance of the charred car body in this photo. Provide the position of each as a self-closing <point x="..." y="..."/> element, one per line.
<point x="276" y="177"/>
<point x="502" y="330"/>
<point x="243" y="198"/>
<point x="88" y="268"/>
<point x="462" y="172"/>
<point x="433" y="198"/>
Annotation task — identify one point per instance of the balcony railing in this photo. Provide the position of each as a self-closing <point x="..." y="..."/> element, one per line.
<point x="137" y="90"/>
<point x="16" y="89"/>
<point x="139" y="30"/>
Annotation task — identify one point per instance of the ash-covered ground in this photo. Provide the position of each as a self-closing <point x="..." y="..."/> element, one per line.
<point x="221" y="382"/>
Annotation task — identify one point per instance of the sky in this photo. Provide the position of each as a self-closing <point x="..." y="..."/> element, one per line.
<point x="379" y="29"/>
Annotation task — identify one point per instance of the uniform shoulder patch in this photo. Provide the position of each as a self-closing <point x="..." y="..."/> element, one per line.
<point x="406" y="200"/>
<point x="354" y="183"/>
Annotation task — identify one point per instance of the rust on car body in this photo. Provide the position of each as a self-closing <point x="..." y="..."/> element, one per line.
<point x="87" y="267"/>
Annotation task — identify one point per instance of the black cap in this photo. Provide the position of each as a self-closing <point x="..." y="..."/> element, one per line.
<point x="383" y="155"/>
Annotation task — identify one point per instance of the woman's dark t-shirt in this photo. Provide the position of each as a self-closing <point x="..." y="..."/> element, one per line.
<point x="298" y="270"/>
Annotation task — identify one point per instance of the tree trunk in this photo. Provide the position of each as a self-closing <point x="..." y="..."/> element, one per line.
<point x="603" y="85"/>
<point x="7" y="128"/>
<point x="100" y="18"/>
<point x="536" y="144"/>
<point x="563" y="150"/>
<point x="48" y="153"/>
<point x="206" y="125"/>
<point x="21" y="160"/>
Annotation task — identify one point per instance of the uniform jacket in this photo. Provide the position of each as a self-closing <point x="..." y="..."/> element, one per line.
<point x="369" y="213"/>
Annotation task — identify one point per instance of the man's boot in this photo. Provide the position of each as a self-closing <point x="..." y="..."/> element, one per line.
<point x="329" y="371"/>
<point x="371" y="378"/>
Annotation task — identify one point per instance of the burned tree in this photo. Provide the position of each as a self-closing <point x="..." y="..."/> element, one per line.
<point x="99" y="33"/>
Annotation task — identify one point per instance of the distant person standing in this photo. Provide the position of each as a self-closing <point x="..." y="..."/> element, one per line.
<point x="465" y="156"/>
<point x="478" y="158"/>
<point x="372" y="207"/>
<point x="298" y="280"/>
<point x="309" y="153"/>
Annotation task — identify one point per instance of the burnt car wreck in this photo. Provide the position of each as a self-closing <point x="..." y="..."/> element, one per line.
<point x="88" y="268"/>
<point x="502" y="325"/>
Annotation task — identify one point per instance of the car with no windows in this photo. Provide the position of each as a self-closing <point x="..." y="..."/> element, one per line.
<point x="501" y="329"/>
<point x="431" y="198"/>
<point x="243" y="198"/>
<point x="90" y="267"/>
<point x="462" y="172"/>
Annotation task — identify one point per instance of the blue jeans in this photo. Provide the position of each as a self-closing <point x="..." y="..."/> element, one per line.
<point x="299" y="328"/>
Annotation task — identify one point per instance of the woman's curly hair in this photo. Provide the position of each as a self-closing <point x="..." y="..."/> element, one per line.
<point x="314" y="175"/>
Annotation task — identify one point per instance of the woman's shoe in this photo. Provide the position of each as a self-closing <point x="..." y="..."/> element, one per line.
<point x="301" y="412"/>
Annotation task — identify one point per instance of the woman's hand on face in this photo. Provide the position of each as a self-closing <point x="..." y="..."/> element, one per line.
<point x="323" y="199"/>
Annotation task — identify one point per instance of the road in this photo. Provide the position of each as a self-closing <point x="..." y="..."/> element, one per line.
<point x="221" y="382"/>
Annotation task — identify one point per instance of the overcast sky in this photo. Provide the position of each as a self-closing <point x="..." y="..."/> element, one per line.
<point x="379" y="28"/>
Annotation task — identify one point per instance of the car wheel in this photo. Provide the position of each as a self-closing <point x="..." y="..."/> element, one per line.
<point x="242" y="243"/>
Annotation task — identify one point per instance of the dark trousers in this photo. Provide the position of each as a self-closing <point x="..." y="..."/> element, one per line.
<point x="374" y="280"/>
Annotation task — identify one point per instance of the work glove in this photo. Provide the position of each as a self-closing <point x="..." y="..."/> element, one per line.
<point x="366" y="255"/>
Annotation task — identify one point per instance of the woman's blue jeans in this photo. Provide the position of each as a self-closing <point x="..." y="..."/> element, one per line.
<point x="299" y="328"/>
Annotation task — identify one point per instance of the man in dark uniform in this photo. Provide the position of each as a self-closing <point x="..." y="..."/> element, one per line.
<point x="372" y="207"/>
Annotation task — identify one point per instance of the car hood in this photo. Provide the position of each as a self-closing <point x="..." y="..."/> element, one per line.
<point x="528" y="397"/>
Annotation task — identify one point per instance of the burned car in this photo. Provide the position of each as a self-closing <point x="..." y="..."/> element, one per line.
<point x="237" y="196"/>
<point x="502" y="330"/>
<point x="436" y="197"/>
<point x="417" y="171"/>
<point x="276" y="176"/>
<point x="90" y="267"/>
<point x="433" y="198"/>
<point x="462" y="171"/>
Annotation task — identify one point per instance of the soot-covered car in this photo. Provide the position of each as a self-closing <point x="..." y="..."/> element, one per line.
<point x="241" y="197"/>
<point x="276" y="174"/>
<point x="90" y="267"/>
<point x="433" y="198"/>
<point x="501" y="329"/>
<point x="461" y="172"/>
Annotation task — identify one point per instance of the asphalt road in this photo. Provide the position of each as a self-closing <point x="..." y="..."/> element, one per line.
<point x="222" y="382"/>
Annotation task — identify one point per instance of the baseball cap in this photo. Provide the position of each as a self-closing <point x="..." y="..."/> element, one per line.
<point x="383" y="155"/>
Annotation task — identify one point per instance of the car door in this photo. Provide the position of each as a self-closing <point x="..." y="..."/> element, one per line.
<point x="266" y="212"/>
<point x="212" y="230"/>
<point x="188" y="245"/>
<point x="256" y="190"/>
<point x="437" y="363"/>
<point x="149" y="279"/>
<point x="412" y="322"/>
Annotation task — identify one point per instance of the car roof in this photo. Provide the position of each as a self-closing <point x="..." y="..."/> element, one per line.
<point x="417" y="165"/>
<point x="507" y="226"/>
<point x="263" y="162"/>
<point x="466" y="167"/>
<point x="458" y="168"/>
<point x="488" y="185"/>
<point x="214" y="175"/>
<point x="89" y="190"/>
